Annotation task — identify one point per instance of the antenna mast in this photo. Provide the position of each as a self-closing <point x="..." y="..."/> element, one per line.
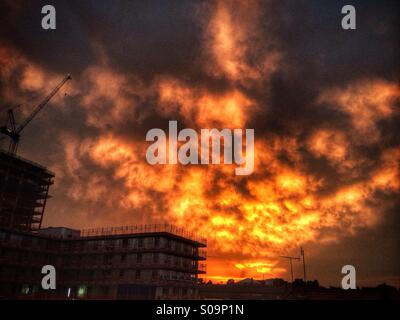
<point x="291" y="264"/>
<point x="304" y="264"/>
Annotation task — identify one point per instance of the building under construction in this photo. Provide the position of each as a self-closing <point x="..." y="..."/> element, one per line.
<point x="24" y="188"/>
<point x="136" y="262"/>
<point x="139" y="262"/>
<point x="24" y="185"/>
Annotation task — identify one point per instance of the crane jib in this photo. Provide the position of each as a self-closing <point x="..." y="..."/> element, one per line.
<point x="43" y="104"/>
<point x="13" y="132"/>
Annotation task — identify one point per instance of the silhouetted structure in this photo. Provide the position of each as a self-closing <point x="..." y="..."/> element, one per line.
<point x="13" y="131"/>
<point x="279" y="289"/>
<point x="24" y="188"/>
<point x="131" y="262"/>
<point x="139" y="262"/>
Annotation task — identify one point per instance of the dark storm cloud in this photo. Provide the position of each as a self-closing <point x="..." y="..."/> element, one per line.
<point x="381" y="257"/>
<point x="67" y="50"/>
<point x="155" y="37"/>
<point x="318" y="54"/>
<point x="147" y="38"/>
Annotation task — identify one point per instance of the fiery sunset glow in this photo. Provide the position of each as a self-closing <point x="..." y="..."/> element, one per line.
<point x="326" y="154"/>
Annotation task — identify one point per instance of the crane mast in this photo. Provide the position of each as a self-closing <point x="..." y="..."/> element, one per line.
<point x="14" y="132"/>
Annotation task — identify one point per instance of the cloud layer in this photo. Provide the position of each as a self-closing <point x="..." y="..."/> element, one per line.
<point x="324" y="104"/>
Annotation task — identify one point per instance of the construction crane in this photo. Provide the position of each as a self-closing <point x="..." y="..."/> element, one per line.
<point x="14" y="131"/>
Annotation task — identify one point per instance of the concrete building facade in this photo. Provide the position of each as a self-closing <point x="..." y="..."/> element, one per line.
<point x="24" y="187"/>
<point x="142" y="262"/>
<point x="130" y="262"/>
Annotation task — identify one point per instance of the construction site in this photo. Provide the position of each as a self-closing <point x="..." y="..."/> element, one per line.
<point x="157" y="261"/>
<point x="23" y="194"/>
<point x="24" y="185"/>
<point x="135" y="262"/>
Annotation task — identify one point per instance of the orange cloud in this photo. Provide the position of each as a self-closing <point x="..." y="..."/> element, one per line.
<point x="202" y="108"/>
<point x="232" y="36"/>
<point x="366" y="102"/>
<point x="110" y="98"/>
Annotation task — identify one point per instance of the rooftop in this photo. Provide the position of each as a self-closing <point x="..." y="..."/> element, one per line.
<point x="16" y="159"/>
<point x="147" y="228"/>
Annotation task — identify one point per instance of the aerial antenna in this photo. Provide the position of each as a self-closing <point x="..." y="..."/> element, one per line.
<point x="291" y="264"/>
<point x="304" y="264"/>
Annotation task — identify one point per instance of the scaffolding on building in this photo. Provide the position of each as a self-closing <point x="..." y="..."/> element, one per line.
<point x="146" y="228"/>
<point x="24" y="188"/>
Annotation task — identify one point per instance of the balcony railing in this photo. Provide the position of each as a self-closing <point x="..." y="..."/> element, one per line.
<point x="89" y="265"/>
<point x="147" y="228"/>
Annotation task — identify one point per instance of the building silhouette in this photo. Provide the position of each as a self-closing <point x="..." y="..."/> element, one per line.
<point x="24" y="188"/>
<point x="157" y="261"/>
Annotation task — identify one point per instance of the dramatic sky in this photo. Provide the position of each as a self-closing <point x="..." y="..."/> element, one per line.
<point x="324" y="103"/>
